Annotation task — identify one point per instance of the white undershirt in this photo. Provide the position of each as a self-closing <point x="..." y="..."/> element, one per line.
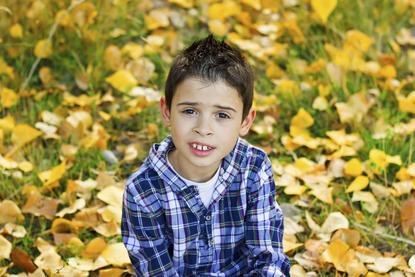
<point x="205" y="189"/>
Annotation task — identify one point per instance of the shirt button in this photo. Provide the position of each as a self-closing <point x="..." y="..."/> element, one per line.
<point x="211" y="241"/>
<point x="208" y="217"/>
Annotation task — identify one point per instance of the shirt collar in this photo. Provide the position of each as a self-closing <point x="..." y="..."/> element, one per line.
<point x="229" y="167"/>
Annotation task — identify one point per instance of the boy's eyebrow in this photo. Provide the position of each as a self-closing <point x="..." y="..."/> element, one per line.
<point x="196" y="104"/>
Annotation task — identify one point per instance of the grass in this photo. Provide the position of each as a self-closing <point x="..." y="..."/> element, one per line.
<point x="74" y="51"/>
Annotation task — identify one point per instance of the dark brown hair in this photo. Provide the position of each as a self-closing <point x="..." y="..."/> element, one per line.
<point x="210" y="60"/>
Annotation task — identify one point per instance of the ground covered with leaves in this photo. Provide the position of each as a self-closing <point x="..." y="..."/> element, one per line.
<point x="79" y="88"/>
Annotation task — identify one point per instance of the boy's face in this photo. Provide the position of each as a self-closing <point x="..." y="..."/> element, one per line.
<point x="205" y="121"/>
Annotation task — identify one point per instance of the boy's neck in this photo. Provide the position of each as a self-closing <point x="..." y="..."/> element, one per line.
<point x="194" y="174"/>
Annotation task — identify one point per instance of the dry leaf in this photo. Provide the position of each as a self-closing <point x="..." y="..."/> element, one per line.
<point x="122" y="80"/>
<point x="323" y="8"/>
<point x="353" y="168"/>
<point x="116" y="272"/>
<point x="21" y="259"/>
<point x="324" y="194"/>
<point x="49" y="261"/>
<point x="358" y="184"/>
<point x="94" y="248"/>
<point x="334" y="222"/>
<point x="40" y="206"/>
<point x="17" y="231"/>
<point x="23" y="133"/>
<point x="50" y="176"/>
<point x="5" y="248"/>
<point x="302" y="120"/>
<point x="408" y="216"/>
<point x="340" y="254"/>
<point x="351" y="237"/>
<point x="16" y="30"/>
<point x="116" y="254"/>
<point x="8" y="97"/>
<point x="39" y="47"/>
<point x="10" y="212"/>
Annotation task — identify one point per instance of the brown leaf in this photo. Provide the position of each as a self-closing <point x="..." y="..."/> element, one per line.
<point x="21" y="259"/>
<point x="408" y="216"/>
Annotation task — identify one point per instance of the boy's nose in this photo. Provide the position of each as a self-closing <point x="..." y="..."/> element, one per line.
<point x="203" y="128"/>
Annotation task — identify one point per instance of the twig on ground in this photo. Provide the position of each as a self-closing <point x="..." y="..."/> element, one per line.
<point x="51" y="33"/>
<point x="384" y="235"/>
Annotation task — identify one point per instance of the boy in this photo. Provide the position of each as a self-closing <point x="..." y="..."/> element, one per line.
<point x="203" y="202"/>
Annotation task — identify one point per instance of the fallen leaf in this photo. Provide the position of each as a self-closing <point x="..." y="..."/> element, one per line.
<point x="113" y="272"/>
<point x="16" y="30"/>
<point x="8" y="97"/>
<point x="10" y="212"/>
<point x="49" y="261"/>
<point x="17" y="231"/>
<point x="40" y="206"/>
<point x="116" y="254"/>
<point x="324" y="194"/>
<point x="353" y="168"/>
<point x="5" y="248"/>
<point x="358" y="184"/>
<point x="122" y="80"/>
<point x="21" y="259"/>
<point x="350" y="237"/>
<point x="23" y="133"/>
<point x="39" y="48"/>
<point x="411" y="262"/>
<point x="112" y="195"/>
<point x="52" y="175"/>
<point x="94" y="248"/>
<point x="340" y="254"/>
<point x="323" y="8"/>
<point x="334" y="222"/>
<point x="408" y="217"/>
<point x="302" y="120"/>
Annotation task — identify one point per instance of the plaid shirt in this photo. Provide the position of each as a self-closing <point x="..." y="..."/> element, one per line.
<point x="169" y="232"/>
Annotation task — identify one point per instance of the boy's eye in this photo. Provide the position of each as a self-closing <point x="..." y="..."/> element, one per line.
<point x="189" y="111"/>
<point x="223" y="115"/>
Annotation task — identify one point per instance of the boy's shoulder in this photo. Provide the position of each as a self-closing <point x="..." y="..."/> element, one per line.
<point x="244" y="156"/>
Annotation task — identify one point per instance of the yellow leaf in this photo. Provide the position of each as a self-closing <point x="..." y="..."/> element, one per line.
<point x="256" y="4"/>
<point x="364" y="196"/>
<point x="353" y="168"/>
<point x="8" y="97"/>
<point x="320" y="103"/>
<point x="357" y="42"/>
<point x="135" y="51"/>
<point x="295" y="190"/>
<point x="338" y="137"/>
<point x="402" y="188"/>
<point x="66" y="20"/>
<point x="324" y="194"/>
<point x="10" y="212"/>
<point x="410" y="170"/>
<point x="5" y="248"/>
<point x="7" y="163"/>
<point x="123" y="80"/>
<point x="217" y="27"/>
<point x="394" y="160"/>
<point x="323" y="8"/>
<point x="388" y="72"/>
<point x="116" y="254"/>
<point x="111" y="195"/>
<point x="288" y="87"/>
<point x="273" y="71"/>
<point x="305" y="165"/>
<point x="406" y="105"/>
<point x="306" y="140"/>
<point x="16" y="31"/>
<point x="23" y="133"/>
<point x="289" y="143"/>
<point x="183" y="3"/>
<point x="223" y="10"/>
<point x="341" y="254"/>
<point x="104" y="115"/>
<point x="302" y="120"/>
<point x="52" y="175"/>
<point x="343" y="151"/>
<point x="39" y="47"/>
<point x="156" y="19"/>
<point x="7" y="123"/>
<point x="378" y="157"/>
<point x="358" y="184"/>
<point x="333" y="222"/>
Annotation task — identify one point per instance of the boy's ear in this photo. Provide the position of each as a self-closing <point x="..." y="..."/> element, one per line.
<point x="165" y="112"/>
<point x="246" y="124"/>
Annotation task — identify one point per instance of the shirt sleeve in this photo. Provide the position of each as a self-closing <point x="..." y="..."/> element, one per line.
<point x="265" y="227"/>
<point x="144" y="240"/>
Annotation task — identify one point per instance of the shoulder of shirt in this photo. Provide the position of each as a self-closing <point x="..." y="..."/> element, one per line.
<point x="252" y="155"/>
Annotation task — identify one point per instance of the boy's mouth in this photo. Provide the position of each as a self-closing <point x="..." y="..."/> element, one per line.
<point x="201" y="147"/>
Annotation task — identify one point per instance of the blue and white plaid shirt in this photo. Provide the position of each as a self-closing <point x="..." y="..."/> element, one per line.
<point x="169" y="232"/>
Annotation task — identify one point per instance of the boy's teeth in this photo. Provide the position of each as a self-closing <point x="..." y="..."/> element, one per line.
<point x="199" y="147"/>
